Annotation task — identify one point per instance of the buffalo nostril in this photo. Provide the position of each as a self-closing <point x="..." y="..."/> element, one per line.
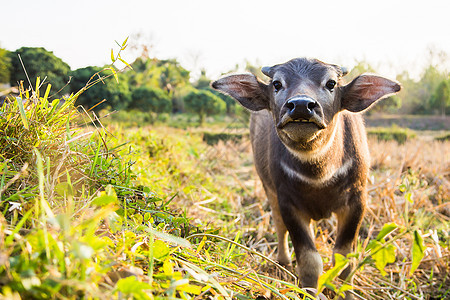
<point x="312" y="105"/>
<point x="290" y="106"/>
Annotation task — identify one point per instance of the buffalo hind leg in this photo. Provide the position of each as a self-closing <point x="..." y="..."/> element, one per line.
<point x="349" y="221"/>
<point x="283" y="255"/>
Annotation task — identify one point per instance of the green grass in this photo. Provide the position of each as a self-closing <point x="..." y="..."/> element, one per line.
<point x="86" y="215"/>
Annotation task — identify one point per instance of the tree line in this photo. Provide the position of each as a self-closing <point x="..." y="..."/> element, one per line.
<point x="164" y="86"/>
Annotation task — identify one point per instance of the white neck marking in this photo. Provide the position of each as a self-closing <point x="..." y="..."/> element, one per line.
<point x="326" y="179"/>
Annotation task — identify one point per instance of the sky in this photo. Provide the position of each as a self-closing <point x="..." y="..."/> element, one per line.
<point x="392" y="35"/>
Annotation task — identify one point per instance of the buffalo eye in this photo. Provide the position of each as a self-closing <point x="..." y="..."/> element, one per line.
<point x="330" y="84"/>
<point x="277" y="85"/>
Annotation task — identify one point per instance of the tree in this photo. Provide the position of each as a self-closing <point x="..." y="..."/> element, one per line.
<point x="117" y="95"/>
<point x="38" y="63"/>
<point x="154" y="99"/>
<point x="167" y="75"/>
<point x="172" y="75"/>
<point x="203" y="103"/>
<point x="256" y="70"/>
<point x="418" y="95"/>
<point x="5" y="66"/>
<point x="360" y="68"/>
<point x="441" y="97"/>
<point x="425" y="88"/>
<point x="145" y="72"/>
<point x="390" y="105"/>
<point x="203" y="83"/>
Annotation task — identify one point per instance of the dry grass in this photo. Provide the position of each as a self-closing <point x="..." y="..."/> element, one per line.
<point x="418" y="170"/>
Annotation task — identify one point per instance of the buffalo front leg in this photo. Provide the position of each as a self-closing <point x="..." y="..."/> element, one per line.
<point x="309" y="262"/>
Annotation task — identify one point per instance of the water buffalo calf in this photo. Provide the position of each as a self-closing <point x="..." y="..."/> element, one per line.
<point x="310" y="150"/>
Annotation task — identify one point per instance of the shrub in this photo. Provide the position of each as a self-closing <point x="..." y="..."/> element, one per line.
<point x="213" y="138"/>
<point x="153" y="99"/>
<point x="39" y="62"/>
<point x="116" y="94"/>
<point x="444" y="137"/>
<point x="203" y="103"/>
<point x="5" y="65"/>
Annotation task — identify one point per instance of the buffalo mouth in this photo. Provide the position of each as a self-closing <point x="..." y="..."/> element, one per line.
<point x="313" y="120"/>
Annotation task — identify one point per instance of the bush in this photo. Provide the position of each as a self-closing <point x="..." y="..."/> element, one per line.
<point x="117" y="95"/>
<point x="203" y="103"/>
<point x="392" y="133"/>
<point x="213" y="138"/>
<point x="153" y="99"/>
<point x="39" y="62"/>
<point x="443" y="138"/>
<point x="5" y="65"/>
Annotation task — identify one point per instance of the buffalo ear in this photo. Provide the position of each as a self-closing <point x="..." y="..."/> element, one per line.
<point x="365" y="90"/>
<point x="246" y="89"/>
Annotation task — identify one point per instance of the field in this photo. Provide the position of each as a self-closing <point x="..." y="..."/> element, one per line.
<point x="157" y="212"/>
<point x="408" y="187"/>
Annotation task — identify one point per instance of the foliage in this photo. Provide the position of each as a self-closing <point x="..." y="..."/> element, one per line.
<point x="256" y="70"/>
<point x="204" y="83"/>
<point x="165" y="74"/>
<point x="231" y="106"/>
<point x="424" y="95"/>
<point x="203" y="103"/>
<point x="444" y="137"/>
<point x="116" y="94"/>
<point x="171" y="75"/>
<point x="133" y="118"/>
<point x="360" y="68"/>
<point x="212" y="138"/>
<point x="419" y="124"/>
<point x="390" y="105"/>
<point x="440" y="100"/>
<point x="417" y="94"/>
<point x="5" y="65"/>
<point x="38" y="62"/>
<point x="146" y="98"/>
